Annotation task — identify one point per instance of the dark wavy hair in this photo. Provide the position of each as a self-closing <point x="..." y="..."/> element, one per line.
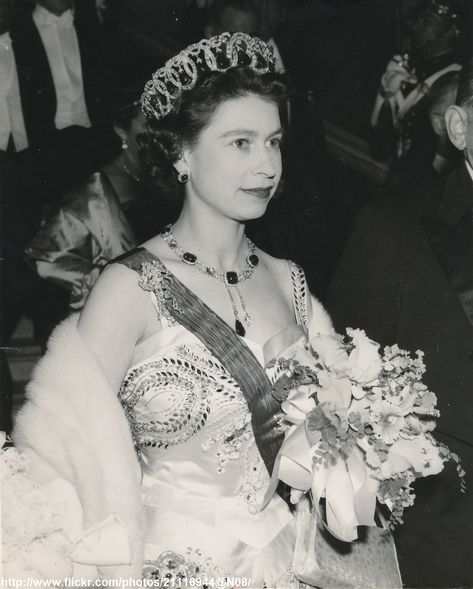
<point x="162" y="144"/>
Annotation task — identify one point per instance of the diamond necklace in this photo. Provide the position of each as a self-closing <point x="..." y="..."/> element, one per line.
<point x="230" y="279"/>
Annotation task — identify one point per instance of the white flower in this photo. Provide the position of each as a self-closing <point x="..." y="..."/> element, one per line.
<point x="301" y="352"/>
<point x="364" y="362"/>
<point x="388" y="415"/>
<point x="387" y="420"/>
<point x="357" y="391"/>
<point x="428" y="403"/>
<point x="331" y="350"/>
<point x="299" y="402"/>
<point x="362" y="408"/>
<point x="419" y="453"/>
<point x="335" y="390"/>
<point x="416" y="426"/>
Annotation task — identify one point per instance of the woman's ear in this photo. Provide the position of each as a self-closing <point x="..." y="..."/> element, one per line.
<point x="456" y="120"/>
<point x="181" y="166"/>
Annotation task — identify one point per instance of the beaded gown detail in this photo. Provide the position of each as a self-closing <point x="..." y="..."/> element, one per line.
<point x="203" y="476"/>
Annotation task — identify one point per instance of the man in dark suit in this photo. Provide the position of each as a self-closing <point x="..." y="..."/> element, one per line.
<point x="406" y="277"/>
<point x="430" y="37"/>
<point x="62" y="92"/>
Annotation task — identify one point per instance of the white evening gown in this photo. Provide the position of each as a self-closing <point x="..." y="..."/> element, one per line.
<point x="203" y="476"/>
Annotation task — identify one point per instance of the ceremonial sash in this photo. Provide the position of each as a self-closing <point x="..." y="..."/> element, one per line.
<point x="229" y="349"/>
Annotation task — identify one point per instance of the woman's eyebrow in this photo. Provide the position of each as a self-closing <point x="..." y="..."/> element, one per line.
<point x="249" y="132"/>
<point x="279" y="131"/>
<point x="242" y="131"/>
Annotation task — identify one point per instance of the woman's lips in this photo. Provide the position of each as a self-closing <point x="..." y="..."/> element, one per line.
<point x="262" y="193"/>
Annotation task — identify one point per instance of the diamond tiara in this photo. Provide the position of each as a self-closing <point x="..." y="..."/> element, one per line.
<point x="217" y="54"/>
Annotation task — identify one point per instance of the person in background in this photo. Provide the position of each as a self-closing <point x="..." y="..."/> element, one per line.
<point x="23" y="292"/>
<point x="430" y="46"/>
<point x="406" y="277"/>
<point x="442" y="95"/>
<point x="63" y="94"/>
<point x="53" y="131"/>
<point x="428" y="163"/>
<point x="104" y="216"/>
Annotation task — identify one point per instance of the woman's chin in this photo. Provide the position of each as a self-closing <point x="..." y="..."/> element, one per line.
<point x="255" y="213"/>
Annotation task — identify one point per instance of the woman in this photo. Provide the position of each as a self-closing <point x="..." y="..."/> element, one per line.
<point x="96" y="221"/>
<point x="182" y="328"/>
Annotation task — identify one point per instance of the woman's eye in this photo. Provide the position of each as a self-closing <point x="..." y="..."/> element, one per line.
<point x="241" y="143"/>
<point x="275" y="143"/>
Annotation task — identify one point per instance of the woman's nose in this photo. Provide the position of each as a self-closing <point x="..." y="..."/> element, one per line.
<point x="268" y="162"/>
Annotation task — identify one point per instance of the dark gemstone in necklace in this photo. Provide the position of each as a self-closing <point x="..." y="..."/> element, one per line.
<point x="239" y="328"/>
<point x="189" y="258"/>
<point x="231" y="277"/>
<point x="252" y="260"/>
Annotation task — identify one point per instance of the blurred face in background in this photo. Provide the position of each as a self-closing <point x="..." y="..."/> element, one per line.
<point x="234" y="20"/>
<point x="136" y="128"/>
<point x="427" y="35"/>
<point x="57" y="7"/>
<point x="238" y="20"/>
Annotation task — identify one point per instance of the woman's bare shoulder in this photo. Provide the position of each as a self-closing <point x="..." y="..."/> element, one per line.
<point x="117" y="286"/>
<point x="115" y="318"/>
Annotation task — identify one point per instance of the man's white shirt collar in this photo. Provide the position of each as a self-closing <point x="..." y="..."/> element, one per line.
<point x="469" y="168"/>
<point x="44" y="18"/>
<point x="62" y="49"/>
<point x="11" y="114"/>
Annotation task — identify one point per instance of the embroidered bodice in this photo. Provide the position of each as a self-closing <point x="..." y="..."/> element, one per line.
<point x="193" y="431"/>
<point x="181" y="396"/>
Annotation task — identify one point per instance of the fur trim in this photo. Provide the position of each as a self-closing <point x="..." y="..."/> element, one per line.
<point x="73" y="426"/>
<point x="319" y="319"/>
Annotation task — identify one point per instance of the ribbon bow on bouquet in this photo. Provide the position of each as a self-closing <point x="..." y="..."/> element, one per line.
<point x="359" y="429"/>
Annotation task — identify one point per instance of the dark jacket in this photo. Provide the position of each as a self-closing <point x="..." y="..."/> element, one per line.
<point x="406" y="277"/>
<point x="59" y="158"/>
<point x="38" y="97"/>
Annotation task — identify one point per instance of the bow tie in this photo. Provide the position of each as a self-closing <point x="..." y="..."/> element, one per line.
<point x="47" y="19"/>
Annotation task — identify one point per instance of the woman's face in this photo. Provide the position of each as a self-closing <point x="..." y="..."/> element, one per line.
<point x="235" y="166"/>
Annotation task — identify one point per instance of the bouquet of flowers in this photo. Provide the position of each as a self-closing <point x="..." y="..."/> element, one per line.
<point x="360" y="428"/>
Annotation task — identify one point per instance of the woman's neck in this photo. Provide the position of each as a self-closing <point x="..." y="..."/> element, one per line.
<point x="216" y="242"/>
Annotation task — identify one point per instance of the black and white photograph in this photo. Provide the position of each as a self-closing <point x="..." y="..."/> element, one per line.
<point x="236" y="286"/>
